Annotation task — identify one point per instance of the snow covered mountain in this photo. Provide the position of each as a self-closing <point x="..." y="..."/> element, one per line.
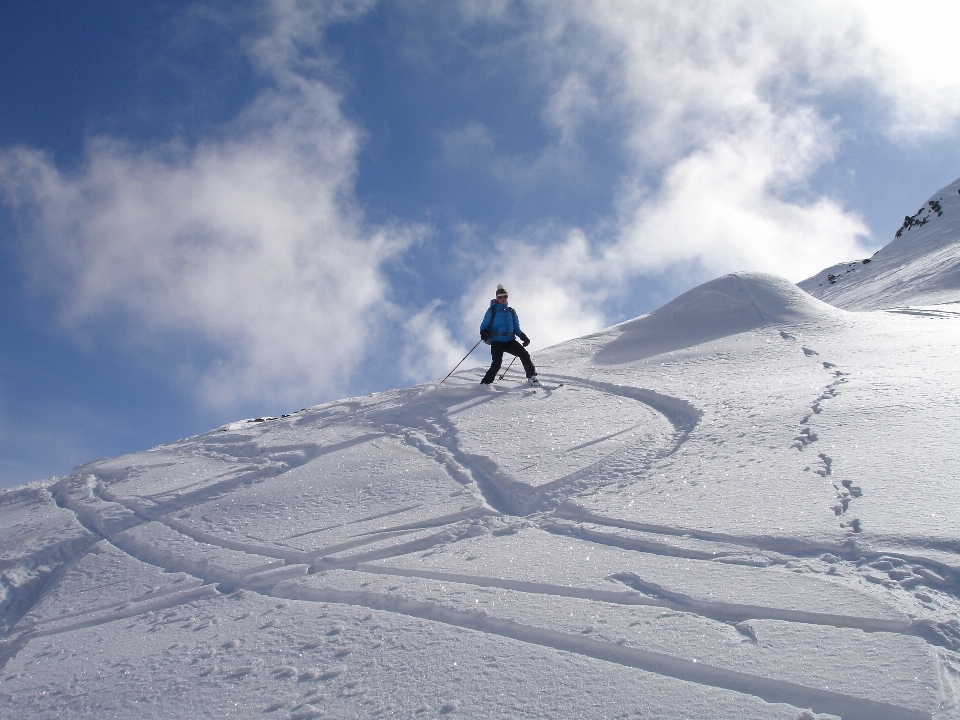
<point x="742" y="505"/>
<point x="921" y="266"/>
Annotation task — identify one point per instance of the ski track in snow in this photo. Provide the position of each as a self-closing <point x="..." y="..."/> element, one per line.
<point x="158" y="529"/>
<point x="109" y="517"/>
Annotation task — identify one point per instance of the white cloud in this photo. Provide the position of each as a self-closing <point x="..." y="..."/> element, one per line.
<point x="247" y="248"/>
<point x="430" y="350"/>
<point x="724" y="122"/>
<point x="718" y="209"/>
<point x="690" y="70"/>
<point x="914" y="61"/>
<point x="725" y="105"/>
<point x="569" y="107"/>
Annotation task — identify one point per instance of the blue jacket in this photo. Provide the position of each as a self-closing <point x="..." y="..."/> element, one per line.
<point x="502" y="320"/>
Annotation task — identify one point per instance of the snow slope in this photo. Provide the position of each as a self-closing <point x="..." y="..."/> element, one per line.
<point x="743" y="505"/>
<point x="921" y="266"/>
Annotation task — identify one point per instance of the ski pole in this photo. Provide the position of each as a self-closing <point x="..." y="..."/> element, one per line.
<point x="461" y="361"/>
<point x="508" y="367"/>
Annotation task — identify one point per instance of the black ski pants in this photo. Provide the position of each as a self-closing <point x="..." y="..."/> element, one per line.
<point x="497" y="349"/>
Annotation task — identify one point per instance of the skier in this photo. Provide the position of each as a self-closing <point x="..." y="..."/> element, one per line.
<point x="499" y="329"/>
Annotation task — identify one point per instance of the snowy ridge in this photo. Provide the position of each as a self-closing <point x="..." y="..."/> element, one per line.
<point x="732" y="304"/>
<point x="921" y="266"/>
<point x="737" y="506"/>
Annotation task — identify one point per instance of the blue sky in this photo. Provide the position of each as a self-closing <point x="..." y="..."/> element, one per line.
<point x="211" y="211"/>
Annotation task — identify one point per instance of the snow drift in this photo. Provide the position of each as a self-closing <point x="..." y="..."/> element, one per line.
<point x="732" y="304"/>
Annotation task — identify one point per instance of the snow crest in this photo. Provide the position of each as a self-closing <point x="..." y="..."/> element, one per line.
<point x="732" y="304"/>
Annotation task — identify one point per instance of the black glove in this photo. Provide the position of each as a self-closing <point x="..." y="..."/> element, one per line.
<point x="485" y="335"/>
<point x="524" y="340"/>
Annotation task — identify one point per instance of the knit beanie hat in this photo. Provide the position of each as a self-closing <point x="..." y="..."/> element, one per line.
<point x="501" y="290"/>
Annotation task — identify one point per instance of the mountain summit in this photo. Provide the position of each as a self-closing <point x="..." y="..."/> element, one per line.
<point x="742" y="505"/>
<point x="920" y="266"/>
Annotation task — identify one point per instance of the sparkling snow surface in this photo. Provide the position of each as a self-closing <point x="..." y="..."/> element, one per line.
<point x="743" y="505"/>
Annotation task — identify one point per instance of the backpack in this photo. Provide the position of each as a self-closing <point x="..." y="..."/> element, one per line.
<point x="493" y="316"/>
